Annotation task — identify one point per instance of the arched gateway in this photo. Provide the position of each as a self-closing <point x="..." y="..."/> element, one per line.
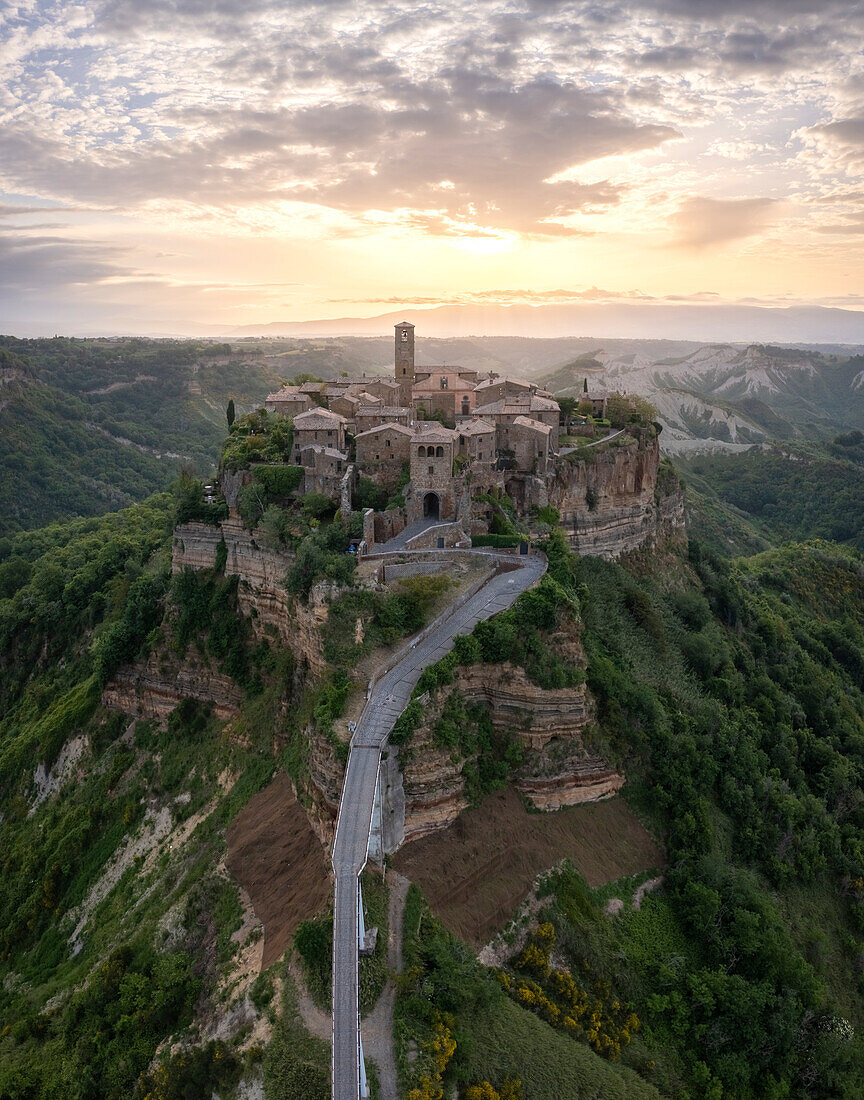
<point x="431" y="506"/>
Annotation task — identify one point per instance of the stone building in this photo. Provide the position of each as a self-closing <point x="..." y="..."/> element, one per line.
<point x="289" y="401"/>
<point x="477" y="442"/>
<point x="382" y="388"/>
<point x="404" y="361"/>
<point x="325" y="467"/>
<point x="597" y="400"/>
<point x="370" y="416"/>
<point x="321" y="427"/>
<point x="433" y="494"/>
<point x="446" y="390"/>
<point x="497" y="386"/>
<point x="382" y="451"/>
<point x="527" y="443"/>
<point x="532" y="405"/>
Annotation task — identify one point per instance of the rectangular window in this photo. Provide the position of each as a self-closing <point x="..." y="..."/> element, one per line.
<point x="377" y="457"/>
<point x="431" y="469"/>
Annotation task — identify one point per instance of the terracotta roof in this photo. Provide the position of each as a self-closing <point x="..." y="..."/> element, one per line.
<point x="518" y="405"/>
<point x="432" y="384"/>
<point x="382" y="410"/>
<point x="505" y="380"/>
<point x="286" y="391"/>
<point x="330" y="452"/>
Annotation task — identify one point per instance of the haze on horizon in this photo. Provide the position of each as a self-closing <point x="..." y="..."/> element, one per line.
<point x="187" y="165"/>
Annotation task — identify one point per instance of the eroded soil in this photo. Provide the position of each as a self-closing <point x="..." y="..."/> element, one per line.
<point x="276" y="857"/>
<point x="476" y="872"/>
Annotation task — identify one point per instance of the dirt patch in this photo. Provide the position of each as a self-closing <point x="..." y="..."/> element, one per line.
<point x="277" y="859"/>
<point x="475" y="873"/>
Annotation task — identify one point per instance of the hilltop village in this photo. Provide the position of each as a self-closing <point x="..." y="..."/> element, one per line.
<point x="443" y="437"/>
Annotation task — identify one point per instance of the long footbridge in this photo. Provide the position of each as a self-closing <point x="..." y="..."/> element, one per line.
<point x="388" y="695"/>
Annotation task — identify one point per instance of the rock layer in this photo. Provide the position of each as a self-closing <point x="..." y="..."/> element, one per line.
<point x="153" y="688"/>
<point x="610" y="501"/>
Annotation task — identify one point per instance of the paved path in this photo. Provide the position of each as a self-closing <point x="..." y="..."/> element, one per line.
<point x="387" y="699"/>
<point x="399" y="541"/>
<point x="378" y="1025"/>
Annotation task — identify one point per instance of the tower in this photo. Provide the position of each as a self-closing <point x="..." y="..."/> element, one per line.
<point x="404" y="365"/>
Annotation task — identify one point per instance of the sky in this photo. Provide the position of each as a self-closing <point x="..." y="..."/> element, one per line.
<point x="181" y="165"/>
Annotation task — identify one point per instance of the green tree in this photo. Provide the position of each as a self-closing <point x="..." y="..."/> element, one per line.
<point x="230" y="414"/>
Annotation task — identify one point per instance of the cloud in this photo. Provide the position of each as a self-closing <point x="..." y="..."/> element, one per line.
<point x="505" y="297"/>
<point x="845" y="137"/>
<point x="497" y="142"/>
<point x="703" y="222"/>
<point x="39" y="264"/>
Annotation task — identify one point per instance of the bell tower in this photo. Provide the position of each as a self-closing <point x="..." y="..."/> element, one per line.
<point x="404" y="365"/>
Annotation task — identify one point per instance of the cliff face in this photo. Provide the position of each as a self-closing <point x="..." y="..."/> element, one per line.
<point x="610" y="500"/>
<point x="557" y="770"/>
<point x="153" y="688"/>
<point x="261" y="593"/>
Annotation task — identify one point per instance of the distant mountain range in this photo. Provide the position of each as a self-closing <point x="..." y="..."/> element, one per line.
<point x="633" y="320"/>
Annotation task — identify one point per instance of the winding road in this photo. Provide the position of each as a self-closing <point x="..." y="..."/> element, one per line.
<point x="387" y="698"/>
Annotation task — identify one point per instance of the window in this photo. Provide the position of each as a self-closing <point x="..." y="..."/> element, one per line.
<point x="431" y="469"/>
<point x="377" y="457"/>
<point x="439" y="452"/>
<point x="421" y="451"/>
<point x="443" y="382"/>
<point x="386" y="442"/>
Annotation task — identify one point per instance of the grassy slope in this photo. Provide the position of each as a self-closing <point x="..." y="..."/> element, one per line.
<point x="509" y="1041"/>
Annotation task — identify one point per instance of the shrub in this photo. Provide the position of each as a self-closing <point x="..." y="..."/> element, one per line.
<point x="369" y="495"/>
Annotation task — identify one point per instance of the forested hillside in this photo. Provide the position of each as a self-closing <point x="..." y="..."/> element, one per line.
<point x="731" y="695"/>
<point x="741" y="503"/>
<point x="90" y="426"/>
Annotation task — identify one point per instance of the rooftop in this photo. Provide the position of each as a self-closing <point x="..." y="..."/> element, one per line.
<point x="400" y="429"/>
<point x="535" y="425"/>
<point x="318" y="418"/>
<point x="475" y="427"/>
<point x="382" y="410"/>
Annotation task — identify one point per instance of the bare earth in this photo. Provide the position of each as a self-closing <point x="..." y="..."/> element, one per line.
<point x="476" y="872"/>
<point x="275" y="856"/>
